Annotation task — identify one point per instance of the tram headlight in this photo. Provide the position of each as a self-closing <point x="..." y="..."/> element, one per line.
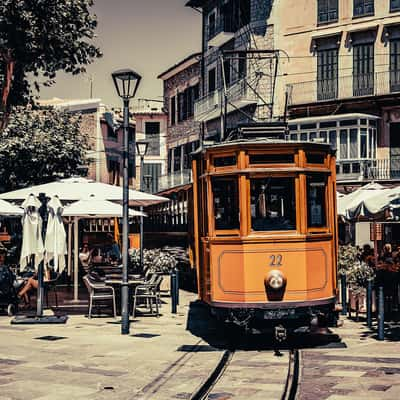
<point x="275" y="280"/>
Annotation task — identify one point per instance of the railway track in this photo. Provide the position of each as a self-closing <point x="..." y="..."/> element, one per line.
<point x="252" y="375"/>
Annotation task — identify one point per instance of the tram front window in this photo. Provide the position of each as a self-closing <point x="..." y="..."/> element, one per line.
<point x="273" y="204"/>
<point x="226" y="203"/>
<point x="316" y="188"/>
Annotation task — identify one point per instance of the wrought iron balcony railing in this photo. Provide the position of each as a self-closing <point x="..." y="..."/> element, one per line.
<point x="368" y="169"/>
<point x="239" y="94"/>
<point x="345" y="87"/>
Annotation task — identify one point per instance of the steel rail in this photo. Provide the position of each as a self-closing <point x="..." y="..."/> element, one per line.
<point x="204" y="390"/>
<point x="292" y="379"/>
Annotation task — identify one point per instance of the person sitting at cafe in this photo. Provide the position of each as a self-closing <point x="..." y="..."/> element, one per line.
<point x="3" y="255"/>
<point x="97" y="257"/>
<point x="85" y="256"/>
<point x="31" y="285"/>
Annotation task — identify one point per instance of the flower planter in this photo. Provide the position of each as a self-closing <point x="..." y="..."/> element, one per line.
<point x="166" y="284"/>
<point x="358" y="300"/>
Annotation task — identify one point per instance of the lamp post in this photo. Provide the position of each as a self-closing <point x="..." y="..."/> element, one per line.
<point x="126" y="83"/>
<point x="141" y="147"/>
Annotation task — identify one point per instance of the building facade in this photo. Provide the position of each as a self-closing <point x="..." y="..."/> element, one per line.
<point x="109" y="162"/>
<point x="151" y="126"/>
<point x="181" y="89"/>
<point x="236" y="87"/>
<point x="345" y="64"/>
<point x="105" y="135"/>
<point x="333" y="70"/>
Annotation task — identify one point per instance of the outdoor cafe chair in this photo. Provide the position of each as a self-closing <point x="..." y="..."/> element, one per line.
<point x="51" y="285"/>
<point x="148" y="291"/>
<point x="99" y="292"/>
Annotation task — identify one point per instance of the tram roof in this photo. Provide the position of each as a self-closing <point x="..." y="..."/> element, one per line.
<point x="261" y="142"/>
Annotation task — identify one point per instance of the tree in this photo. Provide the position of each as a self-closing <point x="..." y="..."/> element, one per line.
<point x="38" y="146"/>
<point x="42" y="37"/>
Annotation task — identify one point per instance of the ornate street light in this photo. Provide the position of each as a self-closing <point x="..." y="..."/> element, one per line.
<point x="126" y="83"/>
<point x="141" y="147"/>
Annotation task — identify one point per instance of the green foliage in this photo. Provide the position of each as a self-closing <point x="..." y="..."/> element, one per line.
<point x="157" y="260"/>
<point x="37" y="146"/>
<point x="357" y="273"/>
<point x="347" y="257"/>
<point x="43" y="37"/>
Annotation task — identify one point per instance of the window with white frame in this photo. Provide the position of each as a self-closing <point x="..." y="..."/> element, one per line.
<point x="354" y="139"/>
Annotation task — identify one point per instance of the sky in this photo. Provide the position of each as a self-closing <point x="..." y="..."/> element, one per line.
<point x="148" y="36"/>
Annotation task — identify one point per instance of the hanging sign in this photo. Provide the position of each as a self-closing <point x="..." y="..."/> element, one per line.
<point x="375" y="231"/>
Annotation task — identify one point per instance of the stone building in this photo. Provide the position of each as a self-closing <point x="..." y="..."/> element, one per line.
<point x="181" y="88"/>
<point x="233" y="83"/>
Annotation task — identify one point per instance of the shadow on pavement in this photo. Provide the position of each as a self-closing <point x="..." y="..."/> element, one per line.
<point x="227" y="336"/>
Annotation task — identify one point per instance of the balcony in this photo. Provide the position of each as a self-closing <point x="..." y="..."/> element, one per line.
<point x="221" y="30"/>
<point x="367" y="170"/>
<point x="239" y="95"/>
<point x="179" y="178"/>
<point x="346" y="87"/>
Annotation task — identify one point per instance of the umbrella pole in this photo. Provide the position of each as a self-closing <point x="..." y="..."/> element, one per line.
<point x="76" y="267"/>
<point x="40" y="291"/>
<point x="39" y="304"/>
<point x="69" y="246"/>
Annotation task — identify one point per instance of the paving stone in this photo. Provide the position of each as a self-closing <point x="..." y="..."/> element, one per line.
<point x="343" y="373"/>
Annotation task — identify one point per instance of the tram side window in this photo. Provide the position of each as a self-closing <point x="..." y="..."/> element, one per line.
<point x="316" y="189"/>
<point x="273" y="204"/>
<point x="226" y="203"/>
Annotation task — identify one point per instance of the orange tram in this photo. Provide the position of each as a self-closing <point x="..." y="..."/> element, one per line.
<point x="265" y="235"/>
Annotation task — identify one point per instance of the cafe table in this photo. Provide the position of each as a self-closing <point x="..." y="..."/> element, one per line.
<point x="116" y="283"/>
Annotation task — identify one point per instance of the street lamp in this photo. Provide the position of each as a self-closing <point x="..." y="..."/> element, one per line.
<point x="126" y="83"/>
<point x="141" y="147"/>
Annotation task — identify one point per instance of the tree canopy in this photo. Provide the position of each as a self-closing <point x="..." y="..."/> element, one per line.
<point x="42" y="37"/>
<point x="37" y="146"/>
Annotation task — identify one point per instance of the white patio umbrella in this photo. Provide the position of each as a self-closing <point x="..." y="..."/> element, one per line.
<point x="352" y="205"/>
<point x="97" y="208"/>
<point x="91" y="208"/>
<point x="32" y="242"/>
<point x="10" y="210"/>
<point x="55" y="240"/>
<point x="73" y="189"/>
<point x="387" y="198"/>
<point x="78" y="188"/>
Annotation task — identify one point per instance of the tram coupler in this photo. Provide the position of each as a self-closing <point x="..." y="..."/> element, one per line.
<point x="280" y="333"/>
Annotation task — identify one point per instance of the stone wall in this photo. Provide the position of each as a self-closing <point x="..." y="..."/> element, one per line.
<point x="188" y="130"/>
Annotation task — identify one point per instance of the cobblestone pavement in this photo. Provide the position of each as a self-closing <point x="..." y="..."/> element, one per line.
<point x="90" y="359"/>
<point x="253" y="375"/>
<point x="365" y="369"/>
<point x="169" y="357"/>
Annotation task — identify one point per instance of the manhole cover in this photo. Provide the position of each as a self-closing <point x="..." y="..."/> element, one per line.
<point x="145" y="335"/>
<point x="51" y="338"/>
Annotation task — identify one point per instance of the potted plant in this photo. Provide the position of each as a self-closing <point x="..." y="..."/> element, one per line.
<point x="358" y="274"/>
<point x="156" y="261"/>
